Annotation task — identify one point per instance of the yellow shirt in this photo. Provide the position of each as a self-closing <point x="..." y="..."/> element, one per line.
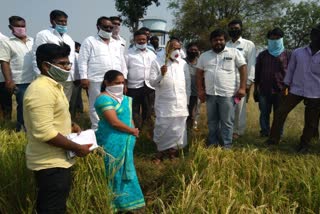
<point x="46" y="113"/>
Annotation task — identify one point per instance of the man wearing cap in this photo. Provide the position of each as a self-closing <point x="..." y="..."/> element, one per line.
<point x="303" y="81"/>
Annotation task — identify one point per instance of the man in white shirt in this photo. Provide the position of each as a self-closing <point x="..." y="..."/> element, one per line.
<point x="57" y="34"/>
<point x="116" y="21"/>
<point x="248" y="50"/>
<point x="139" y="59"/>
<point x="218" y="86"/>
<point x="16" y="64"/>
<point x="99" y="54"/>
<point x="172" y="85"/>
<point x="5" y="98"/>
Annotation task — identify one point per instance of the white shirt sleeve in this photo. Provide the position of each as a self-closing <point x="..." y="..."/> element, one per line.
<point x="188" y="81"/>
<point x="83" y="61"/>
<point x="251" y="63"/>
<point x="155" y="74"/>
<point x="124" y="69"/>
<point x="39" y="40"/>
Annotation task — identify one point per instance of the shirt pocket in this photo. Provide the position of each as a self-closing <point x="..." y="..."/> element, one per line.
<point x="228" y="65"/>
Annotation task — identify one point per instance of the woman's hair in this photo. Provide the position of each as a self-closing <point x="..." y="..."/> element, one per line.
<point x="109" y="76"/>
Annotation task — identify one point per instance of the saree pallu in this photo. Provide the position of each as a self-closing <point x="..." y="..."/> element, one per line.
<point x="119" y="146"/>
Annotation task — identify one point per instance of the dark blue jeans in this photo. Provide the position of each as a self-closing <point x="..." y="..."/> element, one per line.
<point x="266" y="103"/>
<point x="21" y="89"/>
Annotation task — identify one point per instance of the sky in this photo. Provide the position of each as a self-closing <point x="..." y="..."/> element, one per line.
<point x="82" y="14"/>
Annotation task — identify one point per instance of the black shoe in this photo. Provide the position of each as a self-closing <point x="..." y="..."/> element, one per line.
<point x="303" y="148"/>
<point x="270" y="142"/>
<point x="264" y="135"/>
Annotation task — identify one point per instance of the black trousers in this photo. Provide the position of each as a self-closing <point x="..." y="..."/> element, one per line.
<point x="142" y="104"/>
<point x="5" y="102"/>
<point x="53" y="190"/>
<point x="311" y="117"/>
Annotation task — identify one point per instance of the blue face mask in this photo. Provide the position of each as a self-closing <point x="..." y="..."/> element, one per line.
<point x="275" y="47"/>
<point x="61" y="28"/>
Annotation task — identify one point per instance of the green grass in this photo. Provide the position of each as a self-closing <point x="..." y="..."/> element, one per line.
<point x="250" y="178"/>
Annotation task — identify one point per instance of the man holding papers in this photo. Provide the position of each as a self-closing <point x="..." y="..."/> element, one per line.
<point x="47" y="121"/>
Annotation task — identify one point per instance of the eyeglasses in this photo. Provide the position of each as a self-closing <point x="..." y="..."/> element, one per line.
<point x="64" y="64"/>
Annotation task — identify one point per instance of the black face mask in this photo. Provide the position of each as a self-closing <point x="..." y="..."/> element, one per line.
<point x="235" y="33"/>
<point x="192" y="55"/>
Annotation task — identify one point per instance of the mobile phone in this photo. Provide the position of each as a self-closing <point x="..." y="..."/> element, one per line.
<point x="237" y="100"/>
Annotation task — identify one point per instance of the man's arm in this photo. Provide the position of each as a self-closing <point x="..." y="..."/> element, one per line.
<point x="6" y="71"/>
<point x="84" y="55"/>
<point x="251" y="61"/>
<point x="200" y="85"/>
<point x="243" y="81"/>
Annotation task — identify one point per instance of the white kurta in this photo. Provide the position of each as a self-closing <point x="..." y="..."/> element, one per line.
<point x="172" y="93"/>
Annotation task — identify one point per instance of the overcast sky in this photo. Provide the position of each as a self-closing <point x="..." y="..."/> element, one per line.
<point x="82" y="15"/>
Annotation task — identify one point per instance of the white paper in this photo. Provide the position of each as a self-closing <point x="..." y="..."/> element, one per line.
<point x="85" y="137"/>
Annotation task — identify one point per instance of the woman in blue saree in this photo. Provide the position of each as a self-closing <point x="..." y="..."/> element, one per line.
<point x="116" y="134"/>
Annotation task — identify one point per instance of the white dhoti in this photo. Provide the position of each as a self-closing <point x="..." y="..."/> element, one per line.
<point x="170" y="132"/>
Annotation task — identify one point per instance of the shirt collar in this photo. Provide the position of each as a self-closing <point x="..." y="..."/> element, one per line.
<point x="238" y="41"/>
<point x="224" y="50"/>
<point x="310" y="51"/>
<point x="50" y="80"/>
<point x="15" y="38"/>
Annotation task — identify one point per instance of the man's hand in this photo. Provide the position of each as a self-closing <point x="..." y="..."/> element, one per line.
<point x="241" y="93"/>
<point x="164" y="70"/>
<point x="135" y="132"/>
<point x="10" y="86"/>
<point x="75" y="128"/>
<point x="85" y="83"/>
<point x="82" y="150"/>
<point x="202" y="95"/>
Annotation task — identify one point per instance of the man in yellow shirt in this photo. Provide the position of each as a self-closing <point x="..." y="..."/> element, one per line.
<point x="47" y="121"/>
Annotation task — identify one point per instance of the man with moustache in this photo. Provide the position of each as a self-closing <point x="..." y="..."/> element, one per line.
<point x="217" y="86"/>
<point x="247" y="48"/>
<point x="99" y="54"/>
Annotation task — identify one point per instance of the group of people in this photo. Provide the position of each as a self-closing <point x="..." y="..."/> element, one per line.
<point x="127" y="86"/>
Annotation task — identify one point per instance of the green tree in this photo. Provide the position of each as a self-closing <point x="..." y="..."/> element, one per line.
<point x="195" y="19"/>
<point x="298" y="21"/>
<point x="133" y="11"/>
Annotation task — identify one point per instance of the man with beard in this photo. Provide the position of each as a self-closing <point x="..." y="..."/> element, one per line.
<point x="248" y="50"/>
<point x="303" y="81"/>
<point x="217" y="86"/>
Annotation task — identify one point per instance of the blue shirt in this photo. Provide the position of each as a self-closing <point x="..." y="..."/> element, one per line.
<point x="303" y="75"/>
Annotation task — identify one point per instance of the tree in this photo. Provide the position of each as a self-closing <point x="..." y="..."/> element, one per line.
<point x="298" y="21"/>
<point x="195" y="19"/>
<point x="133" y="11"/>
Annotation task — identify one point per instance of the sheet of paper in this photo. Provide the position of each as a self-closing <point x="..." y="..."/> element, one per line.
<point x="85" y="137"/>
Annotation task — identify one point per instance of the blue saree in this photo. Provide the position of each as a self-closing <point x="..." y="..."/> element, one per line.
<point x="119" y="146"/>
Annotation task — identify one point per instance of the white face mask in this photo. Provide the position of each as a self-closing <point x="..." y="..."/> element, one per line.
<point x="175" y="54"/>
<point x="116" y="91"/>
<point x="104" y="34"/>
<point x="141" y="47"/>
